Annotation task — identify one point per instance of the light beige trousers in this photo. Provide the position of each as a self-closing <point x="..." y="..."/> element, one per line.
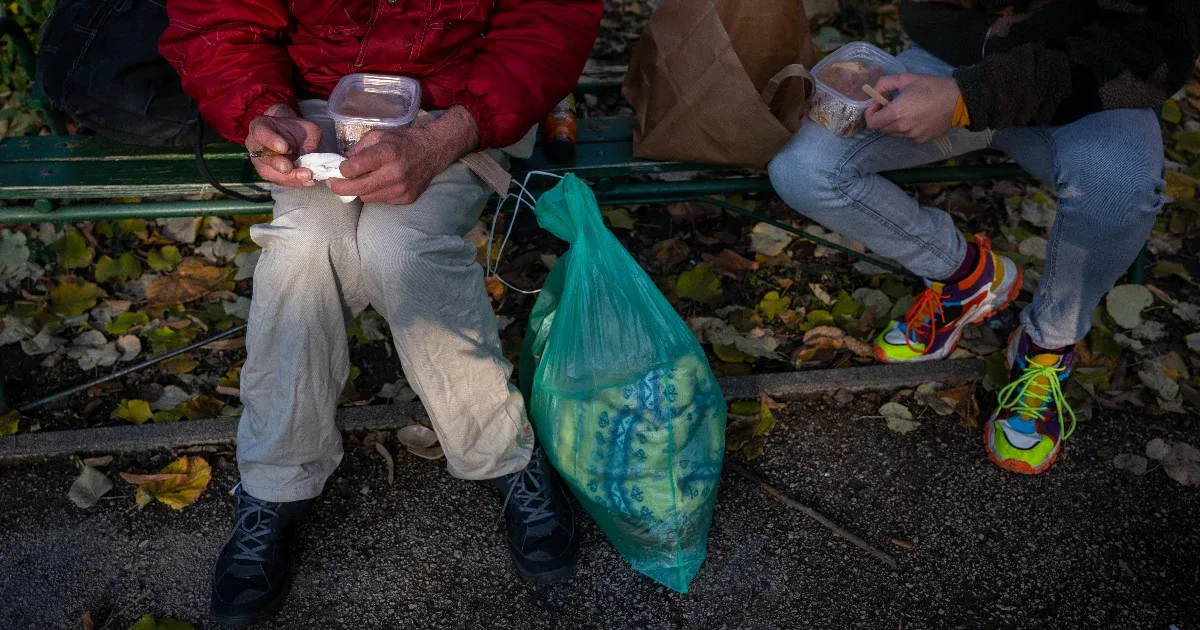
<point x="323" y="262"/>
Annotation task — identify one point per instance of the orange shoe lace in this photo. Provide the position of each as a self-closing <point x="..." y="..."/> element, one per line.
<point x="921" y="320"/>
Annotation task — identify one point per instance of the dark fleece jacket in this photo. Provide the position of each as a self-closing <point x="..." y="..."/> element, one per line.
<point x="1050" y="62"/>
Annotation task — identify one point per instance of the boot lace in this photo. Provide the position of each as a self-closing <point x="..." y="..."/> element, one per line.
<point x="529" y="491"/>
<point x="254" y="529"/>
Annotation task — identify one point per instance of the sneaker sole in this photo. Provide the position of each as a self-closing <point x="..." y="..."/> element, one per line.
<point x="1014" y="465"/>
<point x="992" y="308"/>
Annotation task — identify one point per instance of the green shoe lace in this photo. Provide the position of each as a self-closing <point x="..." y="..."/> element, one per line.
<point x="1022" y="396"/>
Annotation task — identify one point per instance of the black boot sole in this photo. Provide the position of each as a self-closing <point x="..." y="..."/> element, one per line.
<point x="249" y="620"/>
<point x="550" y="576"/>
<point x="544" y="578"/>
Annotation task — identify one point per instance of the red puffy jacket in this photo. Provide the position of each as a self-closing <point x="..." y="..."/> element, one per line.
<point x="507" y="61"/>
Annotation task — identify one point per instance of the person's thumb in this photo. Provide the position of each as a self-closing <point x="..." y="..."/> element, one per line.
<point x="312" y="137"/>
<point x="893" y="83"/>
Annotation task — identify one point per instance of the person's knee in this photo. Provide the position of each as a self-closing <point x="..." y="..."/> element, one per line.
<point x="1115" y="192"/>
<point x="1114" y="177"/>
<point x="305" y="229"/>
<point x="805" y="177"/>
<point x="399" y="253"/>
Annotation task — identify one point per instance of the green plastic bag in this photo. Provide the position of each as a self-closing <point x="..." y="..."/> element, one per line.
<point x="622" y="396"/>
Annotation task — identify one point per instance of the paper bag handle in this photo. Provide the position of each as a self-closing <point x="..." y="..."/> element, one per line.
<point x="794" y="70"/>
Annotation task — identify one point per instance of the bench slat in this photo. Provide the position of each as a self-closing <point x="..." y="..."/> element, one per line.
<point x="156" y="177"/>
<point x="95" y="148"/>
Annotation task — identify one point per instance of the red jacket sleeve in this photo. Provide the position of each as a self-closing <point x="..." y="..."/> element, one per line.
<point x="231" y="59"/>
<point x="529" y="60"/>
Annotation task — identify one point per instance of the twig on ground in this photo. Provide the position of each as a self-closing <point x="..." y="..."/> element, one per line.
<point x="813" y="514"/>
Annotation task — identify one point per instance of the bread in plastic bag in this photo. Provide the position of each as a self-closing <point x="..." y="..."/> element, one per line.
<point x="622" y="396"/>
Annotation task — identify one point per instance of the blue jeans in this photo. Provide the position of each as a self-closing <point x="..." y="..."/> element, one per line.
<point x="1106" y="168"/>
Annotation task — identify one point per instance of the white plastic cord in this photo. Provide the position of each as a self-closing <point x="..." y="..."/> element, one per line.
<point x="523" y="196"/>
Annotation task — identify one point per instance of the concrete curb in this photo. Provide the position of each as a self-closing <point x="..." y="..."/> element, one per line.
<point x="378" y="417"/>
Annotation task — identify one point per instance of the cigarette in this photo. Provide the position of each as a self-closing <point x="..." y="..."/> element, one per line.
<point x="268" y="153"/>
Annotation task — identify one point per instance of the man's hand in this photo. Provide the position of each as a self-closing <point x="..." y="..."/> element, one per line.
<point x="922" y="108"/>
<point x="396" y="165"/>
<point x="282" y="131"/>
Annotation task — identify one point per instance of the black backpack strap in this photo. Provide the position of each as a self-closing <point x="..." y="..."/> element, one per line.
<point x="202" y="166"/>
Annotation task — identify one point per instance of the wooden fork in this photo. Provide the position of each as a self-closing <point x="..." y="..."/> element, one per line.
<point x="942" y="142"/>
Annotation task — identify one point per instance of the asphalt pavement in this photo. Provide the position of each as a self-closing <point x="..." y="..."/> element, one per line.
<point x="1086" y="545"/>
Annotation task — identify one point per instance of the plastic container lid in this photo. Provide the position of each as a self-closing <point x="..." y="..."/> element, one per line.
<point x="863" y="52"/>
<point x="375" y="100"/>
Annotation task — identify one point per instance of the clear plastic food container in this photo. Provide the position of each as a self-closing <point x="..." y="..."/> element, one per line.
<point x="362" y="102"/>
<point x="838" y="101"/>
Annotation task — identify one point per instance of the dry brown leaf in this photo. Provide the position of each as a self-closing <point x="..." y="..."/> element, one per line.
<point x="821" y="293"/>
<point x="116" y="307"/>
<point x="1162" y="295"/>
<point x="495" y="288"/>
<point x="692" y="211"/>
<point x="671" y="252"/>
<point x="963" y="400"/>
<point x="824" y="331"/>
<point x="861" y="349"/>
<point x="178" y="485"/>
<point x="387" y="458"/>
<point x="191" y="280"/>
<point x="730" y="264"/>
<point x="478" y="236"/>
<point x="236" y="343"/>
<point x="416" y="436"/>
<point x="432" y="452"/>
<point x="818" y="349"/>
<point x="771" y="403"/>
<point x="96" y="462"/>
<point x="202" y="407"/>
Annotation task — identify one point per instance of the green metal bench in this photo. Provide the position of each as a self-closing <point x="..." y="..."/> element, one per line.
<point x="62" y="178"/>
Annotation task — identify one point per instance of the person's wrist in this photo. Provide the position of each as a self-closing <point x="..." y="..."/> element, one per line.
<point x="455" y="133"/>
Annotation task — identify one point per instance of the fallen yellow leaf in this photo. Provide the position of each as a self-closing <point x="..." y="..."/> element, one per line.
<point x="178" y="485"/>
<point x="699" y="284"/>
<point x="1179" y="185"/>
<point x="179" y="366"/>
<point x="69" y="299"/>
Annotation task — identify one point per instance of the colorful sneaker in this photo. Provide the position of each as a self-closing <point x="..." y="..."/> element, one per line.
<point x="1027" y="430"/>
<point x="931" y="328"/>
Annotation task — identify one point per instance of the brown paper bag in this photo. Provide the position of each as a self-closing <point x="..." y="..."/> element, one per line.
<point x="704" y="79"/>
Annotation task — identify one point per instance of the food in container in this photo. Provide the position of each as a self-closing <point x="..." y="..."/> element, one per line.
<point x="362" y="102"/>
<point x="838" y="102"/>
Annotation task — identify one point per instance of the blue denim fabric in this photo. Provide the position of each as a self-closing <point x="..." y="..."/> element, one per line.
<point x="1106" y="168"/>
